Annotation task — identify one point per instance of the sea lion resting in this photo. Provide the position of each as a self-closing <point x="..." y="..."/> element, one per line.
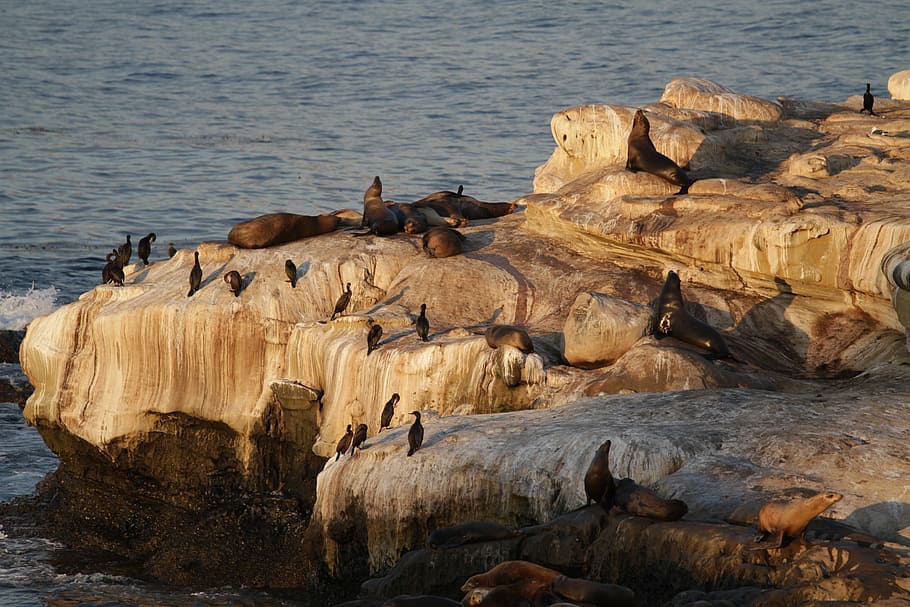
<point x="641" y="501"/>
<point x="411" y="220"/>
<point x="643" y="156"/>
<point x="279" y="228"/>
<point x="790" y="519"/>
<point x="509" y="335"/>
<point x="672" y="319"/>
<point x="508" y="572"/>
<point x="595" y="593"/>
<point x="442" y="242"/>
<point x="462" y="208"/>
<point x="469" y="533"/>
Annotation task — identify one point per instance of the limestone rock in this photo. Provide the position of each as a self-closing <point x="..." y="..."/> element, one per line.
<point x="601" y="328"/>
<point x="701" y="94"/>
<point x="899" y="85"/>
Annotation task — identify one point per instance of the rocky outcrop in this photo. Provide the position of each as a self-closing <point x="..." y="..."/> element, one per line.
<point x="899" y="85"/>
<point x="227" y="408"/>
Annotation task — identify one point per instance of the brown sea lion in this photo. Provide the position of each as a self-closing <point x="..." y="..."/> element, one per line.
<point x="411" y="220"/>
<point x="790" y="519"/>
<point x="234" y="281"/>
<point x="508" y="572"/>
<point x="442" y="242"/>
<point x="643" y="156"/>
<point x="470" y="533"/>
<point x="509" y="335"/>
<point x="599" y="484"/>
<point x="595" y="593"/>
<point x="462" y="208"/>
<point x="279" y="228"/>
<point x="641" y="501"/>
<point x="420" y="600"/>
<point x="672" y="319"/>
<point x="524" y="593"/>
<point x="376" y="215"/>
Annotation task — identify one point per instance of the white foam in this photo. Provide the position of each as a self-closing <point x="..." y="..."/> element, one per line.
<point x="17" y="310"/>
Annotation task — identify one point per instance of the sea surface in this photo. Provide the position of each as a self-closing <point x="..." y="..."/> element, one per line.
<point x="182" y="118"/>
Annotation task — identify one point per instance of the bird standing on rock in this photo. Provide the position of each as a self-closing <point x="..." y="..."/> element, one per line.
<point x="868" y="101"/>
<point x="423" y="325"/>
<point x="291" y="270"/>
<point x="125" y="251"/>
<point x="360" y="435"/>
<point x="415" y="434"/>
<point x="342" y="302"/>
<point x="343" y="443"/>
<point x="145" y="247"/>
<point x="235" y="282"/>
<point x="195" y="275"/>
<point x="388" y="411"/>
<point x="171" y="250"/>
<point x="373" y="337"/>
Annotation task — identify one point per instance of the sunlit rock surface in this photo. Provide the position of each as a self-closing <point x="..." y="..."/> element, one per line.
<point x="899" y="85"/>
<point x="787" y="243"/>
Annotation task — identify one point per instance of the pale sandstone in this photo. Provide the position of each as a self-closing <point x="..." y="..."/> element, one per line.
<point x="899" y="85"/>
<point x="701" y="94"/>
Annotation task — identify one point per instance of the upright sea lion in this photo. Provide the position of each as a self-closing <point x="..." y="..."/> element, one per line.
<point x="279" y="228"/>
<point x="234" y="281"/>
<point x="508" y="572"/>
<point x="442" y="242"/>
<point x="388" y="411"/>
<point x="145" y="247"/>
<point x="195" y="275"/>
<point x="376" y="215"/>
<point x="671" y="319"/>
<point x="641" y="501"/>
<point x="422" y="324"/>
<point x="343" y="300"/>
<point x="125" y="251"/>
<point x="290" y="270"/>
<point x="470" y="533"/>
<point x="790" y="519"/>
<point x="594" y="593"/>
<point x="509" y="335"/>
<point x="415" y="434"/>
<point x="868" y="101"/>
<point x="599" y="484"/>
<point x="343" y="443"/>
<point x="373" y="336"/>
<point x="643" y="156"/>
<point x="360" y="435"/>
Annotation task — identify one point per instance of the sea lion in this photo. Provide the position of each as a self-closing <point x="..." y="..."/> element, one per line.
<point x="463" y="208"/>
<point x="360" y="435"/>
<point x="278" y="228"/>
<point x="470" y="533"/>
<point x="195" y="275"/>
<point x="234" y="281"/>
<point x="508" y="572"/>
<point x="422" y="324"/>
<point x="595" y="593"/>
<point x="343" y="443"/>
<point x="290" y="270"/>
<point x="415" y="434"/>
<point x="599" y="484"/>
<point x="373" y="336"/>
<point x="343" y="300"/>
<point x="641" y="501"/>
<point x="868" y="101"/>
<point x="442" y="242"/>
<point x="376" y="215"/>
<point x="388" y="411"/>
<point x="145" y="247"/>
<point x="671" y="319"/>
<point x="790" y="519"/>
<point x="523" y="593"/>
<point x="415" y="220"/>
<point x="171" y="250"/>
<point x="509" y="335"/>
<point x="643" y="156"/>
<point x="125" y="251"/>
<point x="420" y="600"/>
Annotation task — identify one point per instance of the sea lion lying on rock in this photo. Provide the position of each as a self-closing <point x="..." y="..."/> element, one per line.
<point x="279" y="228"/>
<point x="509" y="335"/>
<point x="594" y="593"/>
<point x="790" y="519"/>
<point x="643" y="156"/>
<point x="509" y="572"/>
<point x="443" y="242"/>
<point x="411" y="220"/>
<point x="462" y="208"/>
<point x="641" y="501"/>
<point x="469" y="533"/>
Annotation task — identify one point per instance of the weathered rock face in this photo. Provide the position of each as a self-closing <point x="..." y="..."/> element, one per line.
<point x="899" y="85"/>
<point x="211" y="401"/>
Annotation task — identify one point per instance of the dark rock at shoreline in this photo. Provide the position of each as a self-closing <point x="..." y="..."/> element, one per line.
<point x="10" y="341"/>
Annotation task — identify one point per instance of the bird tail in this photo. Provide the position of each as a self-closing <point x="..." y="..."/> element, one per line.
<point x="190" y="294"/>
<point x="411" y="451"/>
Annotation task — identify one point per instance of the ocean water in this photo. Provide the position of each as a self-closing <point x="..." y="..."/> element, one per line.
<point x="183" y="118"/>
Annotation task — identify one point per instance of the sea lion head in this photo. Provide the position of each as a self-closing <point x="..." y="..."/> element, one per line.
<point x="640" y="124"/>
<point x="375" y="189"/>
